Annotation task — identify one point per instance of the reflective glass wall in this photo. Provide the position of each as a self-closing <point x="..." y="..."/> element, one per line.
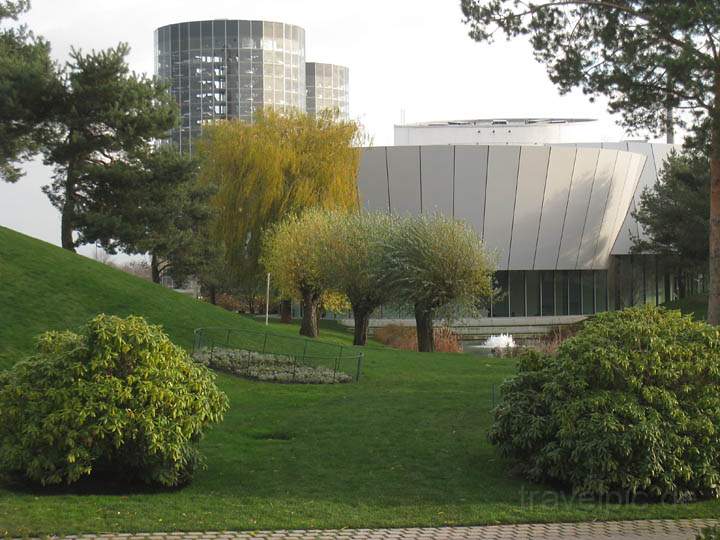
<point x="327" y="88"/>
<point x="646" y="279"/>
<point x="229" y="69"/>
<point x="547" y="293"/>
<point x="630" y="280"/>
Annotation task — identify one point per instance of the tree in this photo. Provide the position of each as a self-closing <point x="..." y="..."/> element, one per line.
<point x="434" y="263"/>
<point x="356" y="265"/>
<point x="681" y="195"/>
<point x="649" y="58"/>
<point x="213" y="272"/>
<point x="149" y="203"/>
<point x="104" y="118"/>
<point x="293" y="252"/>
<point x="276" y="166"/>
<point x="28" y="88"/>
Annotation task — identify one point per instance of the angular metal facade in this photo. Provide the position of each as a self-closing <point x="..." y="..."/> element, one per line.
<point x="553" y="207"/>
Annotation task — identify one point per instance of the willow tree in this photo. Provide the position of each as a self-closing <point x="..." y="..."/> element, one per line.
<point x="356" y="265"/>
<point x="293" y="251"/>
<point x="438" y="266"/>
<point x="277" y="165"/>
<point x="651" y="58"/>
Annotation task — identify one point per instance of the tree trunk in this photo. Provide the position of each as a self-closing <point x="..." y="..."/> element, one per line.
<point x="286" y="311"/>
<point x="309" y="323"/>
<point x="682" y="289"/>
<point x="361" y="316"/>
<point x="424" y="326"/>
<point x="669" y="116"/>
<point x="154" y="268"/>
<point x="67" y="216"/>
<point x="714" y="248"/>
<point x="213" y="295"/>
<point x="714" y="291"/>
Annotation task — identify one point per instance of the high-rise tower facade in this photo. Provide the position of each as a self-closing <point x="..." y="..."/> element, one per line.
<point x="327" y="87"/>
<point x="229" y="69"/>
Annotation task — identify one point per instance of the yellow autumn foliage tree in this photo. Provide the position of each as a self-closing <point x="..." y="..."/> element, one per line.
<point x="276" y="166"/>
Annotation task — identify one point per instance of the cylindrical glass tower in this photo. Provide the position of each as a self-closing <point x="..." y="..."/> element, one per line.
<point x="229" y="69"/>
<point x="327" y="88"/>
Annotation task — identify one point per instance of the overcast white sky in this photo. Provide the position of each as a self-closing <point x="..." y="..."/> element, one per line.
<point x="411" y="55"/>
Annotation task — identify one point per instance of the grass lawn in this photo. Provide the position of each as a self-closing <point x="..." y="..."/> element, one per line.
<point x="406" y="446"/>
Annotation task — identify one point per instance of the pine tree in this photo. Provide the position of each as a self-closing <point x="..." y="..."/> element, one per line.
<point x="104" y="116"/>
<point x="28" y="90"/>
<point x="657" y="62"/>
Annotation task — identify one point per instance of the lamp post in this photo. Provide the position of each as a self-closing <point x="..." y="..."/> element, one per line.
<point x="267" y="301"/>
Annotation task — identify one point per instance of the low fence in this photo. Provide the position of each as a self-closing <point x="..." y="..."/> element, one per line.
<point x="304" y="351"/>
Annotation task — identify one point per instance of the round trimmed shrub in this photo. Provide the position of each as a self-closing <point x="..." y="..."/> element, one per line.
<point x="627" y="408"/>
<point x="119" y="397"/>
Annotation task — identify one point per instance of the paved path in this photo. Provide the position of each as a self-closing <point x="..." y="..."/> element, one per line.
<point x="657" y="529"/>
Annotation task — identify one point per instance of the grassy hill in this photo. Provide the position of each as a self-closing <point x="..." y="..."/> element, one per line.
<point x="406" y="446"/>
<point x="44" y="287"/>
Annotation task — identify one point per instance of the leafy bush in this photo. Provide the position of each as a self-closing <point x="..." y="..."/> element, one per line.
<point x="405" y="337"/>
<point x="229" y="302"/>
<point x="629" y="407"/>
<point x="268" y="367"/>
<point x="550" y="342"/>
<point x="118" y="397"/>
<point x="709" y="533"/>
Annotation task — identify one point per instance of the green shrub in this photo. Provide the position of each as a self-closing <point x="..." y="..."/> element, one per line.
<point x="118" y="397"/>
<point x="628" y="407"/>
<point x="268" y="367"/>
<point x="709" y="533"/>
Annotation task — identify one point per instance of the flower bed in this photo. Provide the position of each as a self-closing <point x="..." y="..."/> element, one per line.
<point x="268" y="367"/>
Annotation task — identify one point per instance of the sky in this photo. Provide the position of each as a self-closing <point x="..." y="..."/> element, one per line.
<point x="404" y="55"/>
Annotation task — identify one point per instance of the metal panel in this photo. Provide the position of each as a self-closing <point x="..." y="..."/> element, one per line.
<point x="436" y="176"/>
<point x="615" y="146"/>
<point x="404" y="178"/>
<point x="588" y="145"/>
<point x="647" y="179"/>
<point x="656" y="153"/>
<point x="470" y="180"/>
<point x="596" y="208"/>
<point x="626" y="232"/>
<point x="372" y="179"/>
<point x="623" y="240"/>
<point x="577" y="208"/>
<point x="503" y="164"/>
<point x="607" y="229"/>
<point x="557" y="189"/>
<point x="532" y="175"/>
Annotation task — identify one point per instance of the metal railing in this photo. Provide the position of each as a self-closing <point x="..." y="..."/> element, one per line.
<point x="304" y="351"/>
